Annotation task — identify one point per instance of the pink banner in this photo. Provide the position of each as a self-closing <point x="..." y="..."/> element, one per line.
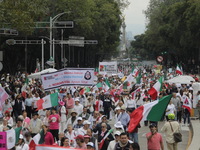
<point x="3" y="141"/>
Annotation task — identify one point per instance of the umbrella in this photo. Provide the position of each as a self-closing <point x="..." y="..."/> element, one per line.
<point x="181" y="79"/>
<point x="37" y="75"/>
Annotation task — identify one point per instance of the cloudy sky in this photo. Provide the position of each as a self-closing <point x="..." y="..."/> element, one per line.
<point x="135" y="18"/>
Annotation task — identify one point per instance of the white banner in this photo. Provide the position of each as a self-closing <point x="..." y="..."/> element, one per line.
<point x="49" y="147"/>
<point x="108" y="67"/>
<point x="68" y="77"/>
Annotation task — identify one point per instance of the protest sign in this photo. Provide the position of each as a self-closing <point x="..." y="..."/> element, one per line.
<point x="68" y="77"/>
<point x="108" y="67"/>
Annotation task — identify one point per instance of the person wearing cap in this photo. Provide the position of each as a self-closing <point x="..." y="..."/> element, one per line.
<point x="63" y="117"/>
<point x="89" y="104"/>
<point x="124" y="117"/>
<point x="80" y="142"/>
<point x="167" y="128"/>
<point x="35" y="125"/>
<point x="123" y="143"/>
<point x="79" y="124"/>
<point x="117" y="112"/>
<point x="112" y="144"/>
<point x="86" y="139"/>
<point x="73" y="119"/>
<point x="78" y="107"/>
<point x="119" y="127"/>
<point x="90" y="146"/>
<point x="154" y="139"/>
<point x="103" y="133"/>
<point x="83" y="130"/>
<point x="21" y="145"/>
<point x="107" y="105"/>
<point x="98" y="126"/>
<point x="8" y="118"/>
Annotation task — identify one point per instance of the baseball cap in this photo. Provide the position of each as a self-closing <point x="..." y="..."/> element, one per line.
<point x="117" y="133"/>
<point x="86" y="122"/>
<point x="77" y="100"/>
<point x="152" y="125"/>
<point x="79" y="118"/>
<point x="81" y="137"/>
<point x="90" y="144"/>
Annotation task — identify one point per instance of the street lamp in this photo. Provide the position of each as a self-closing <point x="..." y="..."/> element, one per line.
<point x="52" y="21"/>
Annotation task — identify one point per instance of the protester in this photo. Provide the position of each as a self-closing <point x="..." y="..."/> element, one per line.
<point x="169" y="128"/>
<point x="154" y="139"/>
<point x="112" y="144"/>
<point x="35" y="125"/>
<point x="21" y="145"/>
<point x="54" y="120"/>
<point x="123" y="143"/>
<point x="80" y="142"/>
<point x="48" y="137"/>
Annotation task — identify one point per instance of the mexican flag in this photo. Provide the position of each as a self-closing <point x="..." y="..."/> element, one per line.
<point x="138" y="78"/>
<point x="155" y="90"/>
<point x="37" y="139"/>
<point x="96" y="71"/>
<point x="104" y="138"/>
<point x="107" y="82"/>
<point x="179" y="70"/>
<point x="99" y="85"/>
<point x="23" y="89"/>
<point x="135" y="72"/>
<point x="12" y="137"/>
<point x="151" y="111"/>
<point x="48" y="101"/>
<point x="84" y="90"/>
<point x="52" y="147"/>
<point x="186" y="103"/>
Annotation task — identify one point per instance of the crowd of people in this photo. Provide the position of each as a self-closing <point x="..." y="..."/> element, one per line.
<point x="95" y="119"/>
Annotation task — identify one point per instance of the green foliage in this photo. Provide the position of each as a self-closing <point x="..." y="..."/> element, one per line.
<point x="173" y="26"/>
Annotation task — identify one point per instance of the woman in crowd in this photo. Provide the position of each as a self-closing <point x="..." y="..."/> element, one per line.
<point x="21" y="145"/>
<point x="48" y="137"/>
<point x="54" y="120"/>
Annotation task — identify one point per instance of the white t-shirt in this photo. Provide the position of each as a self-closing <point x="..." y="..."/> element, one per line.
<point x="171" y="108"/>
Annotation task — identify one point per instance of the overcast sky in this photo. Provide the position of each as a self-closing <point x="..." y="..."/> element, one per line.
<point x="135" y="18"/>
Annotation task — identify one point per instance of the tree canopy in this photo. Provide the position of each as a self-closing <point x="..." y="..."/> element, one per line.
<point x="172" y="29"/>
<point x="94" y="19"/>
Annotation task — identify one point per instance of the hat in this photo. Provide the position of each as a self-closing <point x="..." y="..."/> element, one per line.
<point x="86" y="136"/>
<point x="81" y="137"/>
<point x="118" y="125"/>
<point x="191" y="89"/>
<point x="79" y="118"/>
<point x="117" y="133"/>
<point x="171" y="116"/>
<point x="21" y="136"/>
<point x="7" y="112"/>
<point x="90" y="144"/>
<point x="61" y="103"/>
<point x="86" y="122"/>
<point x="152" y="125"/>
<point x="77" y="100"/>
<point x="117" y="108"/>
<point x="123" y="108"/>
<point x="73" y="111"/>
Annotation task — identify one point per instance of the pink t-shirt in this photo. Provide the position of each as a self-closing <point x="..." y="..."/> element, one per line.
<point x="54" y="124"/>
<point x="154" y="142"/>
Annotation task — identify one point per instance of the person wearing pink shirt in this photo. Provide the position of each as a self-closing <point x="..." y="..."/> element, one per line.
<point x="48" y="137"/>
<point x="154" y="139"/>
<point x="54" y="120"/>
<point x="26" y="121"/>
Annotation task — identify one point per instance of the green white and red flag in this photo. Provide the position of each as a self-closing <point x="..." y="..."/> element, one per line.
<point x="104" y="138"/>
<point x="179" y="70"/>
<point x="155" y="90"/>
<point x="47" y="101"/>
<point x="152" y="111"/>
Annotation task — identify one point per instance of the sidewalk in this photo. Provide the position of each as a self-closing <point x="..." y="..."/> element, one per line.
<point x="195" y="130"/>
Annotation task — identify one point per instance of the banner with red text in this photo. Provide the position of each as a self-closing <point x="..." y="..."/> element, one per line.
<point x="68" y="77"/>
<point x="48" y="147"/>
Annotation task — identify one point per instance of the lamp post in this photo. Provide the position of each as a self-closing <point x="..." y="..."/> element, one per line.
<point x="52" y="21"/>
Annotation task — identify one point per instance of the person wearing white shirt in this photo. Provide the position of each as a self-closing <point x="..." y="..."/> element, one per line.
<point x="73" y="119"/>
<point x="112" y="144"/>
<point x="170" y="109"/>
<point x="21" y="145"/>
<point x="83" y="130"/>
<point x="131" y="104"/>
<point x="63" y="117"/>
<point x="34" y="101"/>
<point x="71" y="134"/>
<point x="78" y="107"/>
